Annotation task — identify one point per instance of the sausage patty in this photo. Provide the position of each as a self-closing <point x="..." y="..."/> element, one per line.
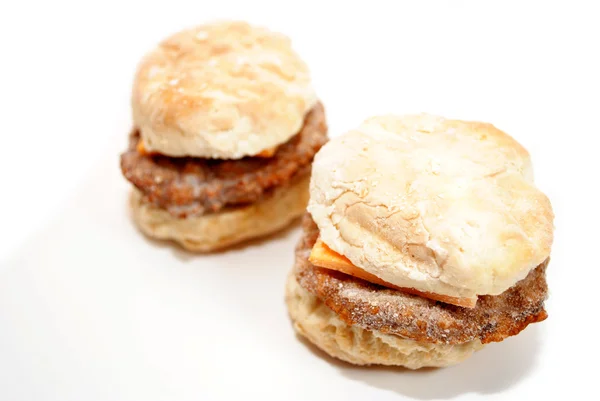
<point x="373" y="307"/>
<point x="191" y="186"/>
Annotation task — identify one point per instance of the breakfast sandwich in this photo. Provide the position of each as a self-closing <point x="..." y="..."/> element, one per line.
<point x="226" y="125"/>
<point x="426" y="239"/>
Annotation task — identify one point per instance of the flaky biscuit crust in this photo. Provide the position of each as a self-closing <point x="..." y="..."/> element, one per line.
<point x="442" y="206"/>
<point x="223" y="90"/>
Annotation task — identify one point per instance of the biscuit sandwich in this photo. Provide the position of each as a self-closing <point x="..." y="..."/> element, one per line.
<point x="226" y="125"/>
<point x="426" y="239"/>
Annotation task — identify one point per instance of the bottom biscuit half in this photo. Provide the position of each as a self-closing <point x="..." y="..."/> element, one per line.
<point x="228" y="227"/>
<point x="321" y="326"/>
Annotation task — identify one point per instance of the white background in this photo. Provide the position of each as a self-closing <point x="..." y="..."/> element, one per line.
<point x="90" y="310"/>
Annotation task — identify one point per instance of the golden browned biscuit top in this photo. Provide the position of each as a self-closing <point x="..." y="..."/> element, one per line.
<point x="222" y="90"/>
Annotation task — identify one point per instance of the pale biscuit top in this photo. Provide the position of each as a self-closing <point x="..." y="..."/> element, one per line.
<point x="442" y="206"/>
<point x="223" y="90"/>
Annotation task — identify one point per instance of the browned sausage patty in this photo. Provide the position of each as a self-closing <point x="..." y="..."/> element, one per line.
<point x="373" y="307"/>
<point x="193" y="186"/>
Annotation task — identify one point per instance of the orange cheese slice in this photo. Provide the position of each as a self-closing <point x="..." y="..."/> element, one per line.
<point x="322" y="256"/>
<point x="267" y="152"/>
<point x="141" y="149"/>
